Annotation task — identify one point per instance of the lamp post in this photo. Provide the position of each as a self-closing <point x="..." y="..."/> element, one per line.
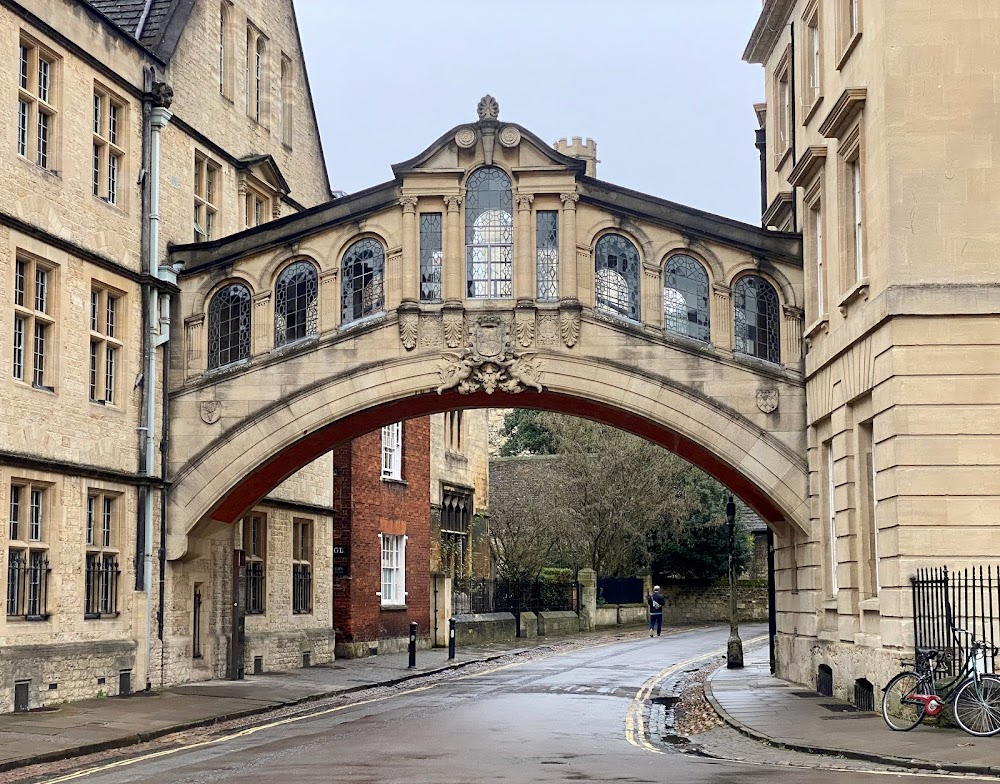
<point x="734" y="649"/>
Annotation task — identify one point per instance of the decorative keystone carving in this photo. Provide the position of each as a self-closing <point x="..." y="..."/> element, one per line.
<point x="569" y="324"/>
<point x="489" y="363"/>
<point x="767" y="400"/>
<point x="408" y="321"/>
<point x="488" y="108"/>
<point x="465" y="137"/>
<point x="509" y="136"/>
<point x="211" y="411"/>
<point x="454" y="327"/>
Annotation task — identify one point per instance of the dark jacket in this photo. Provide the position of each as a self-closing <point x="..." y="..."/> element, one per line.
<point x="657" y="597"/>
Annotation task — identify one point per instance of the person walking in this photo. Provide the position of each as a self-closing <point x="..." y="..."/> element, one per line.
<point x="655" y="601"/>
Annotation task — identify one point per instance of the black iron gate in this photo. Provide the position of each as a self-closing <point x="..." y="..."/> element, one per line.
<point x="944" y="601"/>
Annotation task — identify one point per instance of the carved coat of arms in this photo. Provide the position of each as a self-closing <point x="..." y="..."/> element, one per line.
<point x="489" y="362"/>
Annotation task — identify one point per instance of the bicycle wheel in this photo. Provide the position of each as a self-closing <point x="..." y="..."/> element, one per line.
<point x="899" y="715"/>
<point x="977" y="706"/>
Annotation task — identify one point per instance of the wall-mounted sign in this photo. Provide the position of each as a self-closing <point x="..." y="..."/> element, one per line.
<point x="341" y="550"/>
<point x="341" y="570"/>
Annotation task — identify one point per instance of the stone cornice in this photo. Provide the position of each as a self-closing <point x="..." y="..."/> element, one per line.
<point x="811" y="162"/>
<point x="850" y="102"/>
<point x="770" y="24"/>
<point x="779" y="206"/>
<point x="692" y="222"/>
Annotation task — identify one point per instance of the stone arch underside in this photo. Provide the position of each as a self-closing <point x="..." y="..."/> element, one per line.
<point x="229" y="475"/>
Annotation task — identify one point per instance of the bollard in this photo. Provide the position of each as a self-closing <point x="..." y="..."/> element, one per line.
<point x="413" y="644"/>
<point x="451" y="638"/>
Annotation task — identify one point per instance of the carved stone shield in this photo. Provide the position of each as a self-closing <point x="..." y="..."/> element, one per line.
<point x="767" y="400"/>
<point x="489" y="338"/>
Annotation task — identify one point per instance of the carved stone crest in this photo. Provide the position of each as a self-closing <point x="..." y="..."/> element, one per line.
<point x="767" y="400"/>
<point x="211" y="411"/>
<point x="489" y="363"/>
<point x="488" y="108"/>
<point x="408" y="329"/>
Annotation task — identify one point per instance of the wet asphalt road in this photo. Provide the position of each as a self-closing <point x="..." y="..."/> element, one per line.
<point x="579" y="716"/>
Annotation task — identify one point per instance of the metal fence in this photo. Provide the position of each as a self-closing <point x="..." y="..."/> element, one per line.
<point x="966" y="599"/>
<point x="485" y="595"/>
<point x="620" y="590"/>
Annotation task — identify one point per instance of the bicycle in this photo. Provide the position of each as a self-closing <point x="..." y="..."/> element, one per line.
<point x="975" y="696"/>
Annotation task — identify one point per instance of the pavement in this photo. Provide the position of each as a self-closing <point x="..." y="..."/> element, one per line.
<point x="780" y="713"/>
<point x="793" y="716"/>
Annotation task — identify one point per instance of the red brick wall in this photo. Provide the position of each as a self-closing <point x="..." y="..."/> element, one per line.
<point x="366" y="506"/>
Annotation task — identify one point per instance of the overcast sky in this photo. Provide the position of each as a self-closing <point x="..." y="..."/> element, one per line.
<point x="658" y="84"/>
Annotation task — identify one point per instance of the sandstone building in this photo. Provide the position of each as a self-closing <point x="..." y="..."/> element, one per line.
<point x="880" y="124"/>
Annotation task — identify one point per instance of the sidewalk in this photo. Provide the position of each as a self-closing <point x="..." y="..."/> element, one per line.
<point x="795" y="717"/>
<point x="88" y="726"/>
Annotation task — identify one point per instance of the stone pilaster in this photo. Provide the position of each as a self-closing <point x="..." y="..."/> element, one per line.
<point x="524" y="270"/>
<point x="263" y="324"/>
<point x="567" y="248"/>
<point x="791" y="337"/>
<point x="194" y="345"/>
<point x="453" y="269"/>
<point x="652" y="296"/>
<point x="329" y="300"/>
<point x="722" y="317"/>
<point x="411" y="250"/>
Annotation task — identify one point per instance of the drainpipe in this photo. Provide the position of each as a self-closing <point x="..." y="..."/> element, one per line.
<point x="792" y="131"/>
<point x="159" y="334"/>
<point x="760" y="142"/>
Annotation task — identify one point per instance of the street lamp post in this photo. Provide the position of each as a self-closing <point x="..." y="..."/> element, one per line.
<point x="734" y="649"/>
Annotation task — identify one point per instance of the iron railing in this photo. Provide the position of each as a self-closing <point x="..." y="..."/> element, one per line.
<point x="301" y="588"/>
<point x="620" y="590"/>
<point x="485" y="595"/>
<point x="966" y="599"/>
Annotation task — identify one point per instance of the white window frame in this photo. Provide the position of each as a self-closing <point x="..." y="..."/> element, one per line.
<point x="392" y="451"/>
<point x="831" y="517"/>
<point x="393" y="550"/>
<point x="38" y="82"/>
<point x="858" y="219"/>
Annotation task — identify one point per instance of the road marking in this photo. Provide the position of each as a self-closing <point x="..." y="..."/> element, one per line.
<point x="635" y="730"/>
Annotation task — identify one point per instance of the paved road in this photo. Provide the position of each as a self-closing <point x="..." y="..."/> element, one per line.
<point x="589" y="715"/>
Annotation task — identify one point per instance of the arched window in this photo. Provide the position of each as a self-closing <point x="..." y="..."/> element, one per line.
<point x="756" y="319"/>
<point x="685" y="297"/>
<point x="295" y="304"/>
<point x="361" y="279"/>
<point x="489" y="234"/>
<point x="229" y="326"/>
<point x="616" y="264"/>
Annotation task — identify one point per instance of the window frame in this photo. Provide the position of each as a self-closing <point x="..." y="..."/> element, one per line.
<point x="489" y="250"/>
<point x="783" y="115"/>
<point x="392" y="452"/>
<point x="32" y="361"/>
<point x="431" y="256"/>
<point x="308" y="314"/>
<point x="302" y="571"/>
<point x="28" y="566"/>
<point x="37" y="100"/>
<point x="106" y="346"/>
<point x="704" y="310"/>
<point x="629" y="274"/>
<point x="547" y="256"/>
<point x="393" y="570"/>
<point x="256" y="81"/>
<point x="207" y="190"/>
<point x="773" y="344"/>
<point x="101" y="554"/>
<point x="358" y="304"/>
<point x="253" y="542"/>
<point x="286" y="98"/>
<point x="244" y="327"/>
<point x="812" y="65"/>
<point x="110" y="133"/>
<point x="849" y="27"/>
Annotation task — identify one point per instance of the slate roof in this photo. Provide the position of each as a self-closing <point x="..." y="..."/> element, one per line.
<point x="128" y="14"/>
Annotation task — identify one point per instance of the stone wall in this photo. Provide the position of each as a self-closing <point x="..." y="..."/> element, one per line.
<point x="481" y="628"/>
<point x="691" y="603"/>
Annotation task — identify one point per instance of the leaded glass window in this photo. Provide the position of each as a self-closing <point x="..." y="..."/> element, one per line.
<point x="489" y="234"/>
<point x="363" y="272"/>
<point x="547" y="254"/>
<point x="229" y="326"/>
<point x="756" y="319"/>
<point x="431" y="256"/>
<point x="685" y="297"/>
<point x="296" y="309"/>
<point x="617" y="276"/>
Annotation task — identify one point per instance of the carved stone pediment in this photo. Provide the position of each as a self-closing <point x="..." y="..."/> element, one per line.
<point x="489" y="362"/>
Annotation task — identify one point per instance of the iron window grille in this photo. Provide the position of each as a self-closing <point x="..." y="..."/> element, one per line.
<point x="255" y="588"/>
<point x="456" y="512"/>
<point x="489" y="234"/>
<point x="27" y="584"/>
<point x="301" y="567"/>
<point x="101" y="585"/>
<point x="547" y="255"/>
<point x="296" y="305"/>
<point x="617" y="276"/>
<point x="685" y="298"/>
<point x="254" y="541"/>
<point x="229" y="326"/>
<point x="756" y="319"/>
<point x="362" y="276"/>
<point x="431" y="257"/>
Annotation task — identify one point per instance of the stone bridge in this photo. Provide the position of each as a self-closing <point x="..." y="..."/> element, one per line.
<point x="493" y="270"/>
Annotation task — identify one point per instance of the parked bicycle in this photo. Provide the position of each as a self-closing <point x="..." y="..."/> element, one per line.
<point x="973" y="693"/>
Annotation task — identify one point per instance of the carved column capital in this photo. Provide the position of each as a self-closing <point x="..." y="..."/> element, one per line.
<point x="569" y="200"/>
<point x="524" y="201"/>
<point x="409" y="204"/>
<point x="452" y="203"/>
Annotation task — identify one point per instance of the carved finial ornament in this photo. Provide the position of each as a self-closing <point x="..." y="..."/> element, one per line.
<point x="488" y="108"/>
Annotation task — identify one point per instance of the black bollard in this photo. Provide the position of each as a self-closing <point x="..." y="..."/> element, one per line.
<point x="413" y="644"/>
<point x="451" y="638"/>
